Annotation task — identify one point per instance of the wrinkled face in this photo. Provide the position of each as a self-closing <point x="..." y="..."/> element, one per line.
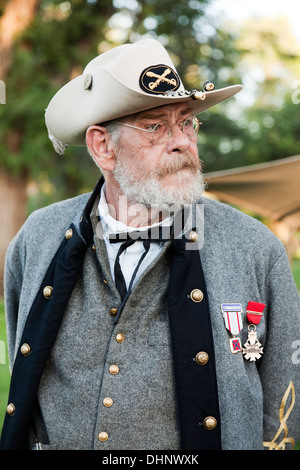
<point x="151" y="172"/>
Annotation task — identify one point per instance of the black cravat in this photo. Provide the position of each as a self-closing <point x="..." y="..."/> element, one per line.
<point x="155" y="235"/>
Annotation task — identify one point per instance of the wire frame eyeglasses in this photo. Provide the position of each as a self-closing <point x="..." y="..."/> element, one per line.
<point x="162" y="131"/>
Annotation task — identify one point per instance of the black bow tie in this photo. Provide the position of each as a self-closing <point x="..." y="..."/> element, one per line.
<point x="154" y="235"/>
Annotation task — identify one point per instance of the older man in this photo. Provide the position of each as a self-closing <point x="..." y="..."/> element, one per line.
<point x="144" y="316"/>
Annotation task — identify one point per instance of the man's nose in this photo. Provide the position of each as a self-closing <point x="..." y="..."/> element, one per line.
<point x="179" y="141"/>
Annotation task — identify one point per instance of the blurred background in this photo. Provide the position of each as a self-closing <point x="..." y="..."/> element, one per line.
<point x="249" y="145"/>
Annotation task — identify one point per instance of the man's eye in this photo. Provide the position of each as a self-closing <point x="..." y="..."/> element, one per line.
<point x="155" y="127"/>
<point x="160" y="127"/>
<point x="151" y="127"/>
<point x="188" y="122"/>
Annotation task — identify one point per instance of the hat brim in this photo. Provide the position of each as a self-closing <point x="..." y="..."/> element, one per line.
<point x="73" y="109"/>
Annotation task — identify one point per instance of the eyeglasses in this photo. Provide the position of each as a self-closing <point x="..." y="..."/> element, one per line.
<point x="162" y="131"/>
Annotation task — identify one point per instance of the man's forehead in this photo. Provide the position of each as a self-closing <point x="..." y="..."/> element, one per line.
<point x="163" y="111"/>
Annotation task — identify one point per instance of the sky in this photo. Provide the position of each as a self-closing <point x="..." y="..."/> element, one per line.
<point x="243" y="9"/>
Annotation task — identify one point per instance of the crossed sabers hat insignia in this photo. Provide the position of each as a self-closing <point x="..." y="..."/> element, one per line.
<point x="160" y="78"/>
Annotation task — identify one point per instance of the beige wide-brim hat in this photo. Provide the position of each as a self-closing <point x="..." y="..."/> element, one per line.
<point x="122" y="81"/>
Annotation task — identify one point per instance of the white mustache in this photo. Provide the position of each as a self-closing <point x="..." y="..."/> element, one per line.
<point x="180" y="162"/>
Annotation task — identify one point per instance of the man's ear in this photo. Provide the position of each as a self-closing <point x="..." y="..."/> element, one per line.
<point x="101" y="147"/>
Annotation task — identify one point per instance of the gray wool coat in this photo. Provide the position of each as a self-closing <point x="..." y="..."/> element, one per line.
<point x="242" y="261"/>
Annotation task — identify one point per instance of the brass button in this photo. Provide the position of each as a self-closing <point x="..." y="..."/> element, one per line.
<point x="113" y="311"/>
<point x="120" y="337"/>
<point x="93" y="247"/>
<point x="202" y="358"/>
<point x="108" y="402"/>
<point x="25" y="349"/>
<point x="10" y="409"/>
<point x="47" y="292"/>
<point x="193" y="237"/>
<point x="103" y="436"/>
<point x="197" y="295"/>
<point x="210" y="423"/>
<point x="69" y="234"/>
<point x="114" y="369"/>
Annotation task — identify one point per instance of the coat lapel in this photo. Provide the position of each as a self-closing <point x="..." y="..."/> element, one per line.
<point x="191" y="334"/>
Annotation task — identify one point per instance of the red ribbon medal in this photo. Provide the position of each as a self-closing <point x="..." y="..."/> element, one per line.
<point x="253" y="348"/>
<point x="254" y="312"/>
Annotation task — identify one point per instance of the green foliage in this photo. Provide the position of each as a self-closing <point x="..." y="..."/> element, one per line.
<point x="60" y="41"/>
<point x="260" y="134"/>
<point x="4" y="369"/>
<point x="274" y="133"/>
<point x="296" y="272"/>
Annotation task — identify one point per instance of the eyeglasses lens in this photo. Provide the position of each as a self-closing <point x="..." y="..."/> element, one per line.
<point x="163" y="130"/>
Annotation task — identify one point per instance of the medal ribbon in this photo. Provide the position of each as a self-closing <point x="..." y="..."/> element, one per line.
<point x="254" y="312"/>
<point x="232" y="317"/>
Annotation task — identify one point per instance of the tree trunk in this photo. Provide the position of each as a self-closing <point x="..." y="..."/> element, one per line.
<point x="13" y="202"/>
<point x="16" y="17"/>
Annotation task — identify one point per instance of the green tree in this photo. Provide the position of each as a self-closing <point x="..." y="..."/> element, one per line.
<point x="269" y="126"/>
<point x="16" y="16"/>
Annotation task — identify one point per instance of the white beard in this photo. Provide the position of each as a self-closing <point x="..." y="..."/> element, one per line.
<point x="149" y="191"/>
